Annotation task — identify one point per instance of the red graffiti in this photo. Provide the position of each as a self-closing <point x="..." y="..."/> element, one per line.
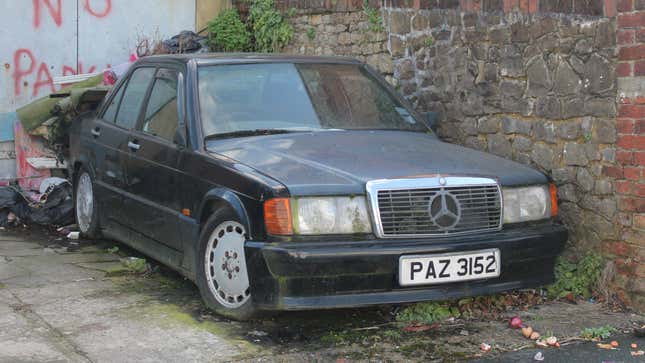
<point x="99" y="14"/>
<point x="70" y="71"/>
<point x="18" y="71"/>
<point x="25" y="66"/>
<point x="56" y="13"/>
<point x="43" y="78"/>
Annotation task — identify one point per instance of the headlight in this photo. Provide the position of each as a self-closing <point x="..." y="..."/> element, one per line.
<point x="528" y="203"/>
<point x="330" y="215"/>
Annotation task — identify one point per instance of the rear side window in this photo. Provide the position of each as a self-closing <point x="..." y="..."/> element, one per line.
<point x="133" y="97"/>
<point x="161" y="113"/>
<point x="110" y="112"/>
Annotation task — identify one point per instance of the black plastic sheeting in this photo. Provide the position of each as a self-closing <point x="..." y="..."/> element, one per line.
<point x="56" y="206"/>
<point x="185" y="42"/>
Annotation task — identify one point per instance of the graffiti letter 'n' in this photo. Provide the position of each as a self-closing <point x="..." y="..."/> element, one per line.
<point x="19" y="71"/>
<point x="55" y="12"/>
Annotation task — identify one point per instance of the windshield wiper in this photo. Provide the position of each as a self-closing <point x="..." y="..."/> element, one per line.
<point x="256" y="132"/>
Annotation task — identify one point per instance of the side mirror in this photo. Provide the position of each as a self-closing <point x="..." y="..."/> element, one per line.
<point x="432" y="119"/>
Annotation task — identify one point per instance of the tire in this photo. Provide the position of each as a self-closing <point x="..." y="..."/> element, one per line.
<point x="222" y="275"/>
<point x="85" y="205"/>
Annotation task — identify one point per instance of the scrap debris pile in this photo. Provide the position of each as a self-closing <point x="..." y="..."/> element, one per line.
<point x="50" y="118"/>
<point x="54" y="204"/>
<point x="184" y="42"/>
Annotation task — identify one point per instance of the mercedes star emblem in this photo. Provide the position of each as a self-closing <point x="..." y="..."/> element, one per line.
<point x="444" y="210"/>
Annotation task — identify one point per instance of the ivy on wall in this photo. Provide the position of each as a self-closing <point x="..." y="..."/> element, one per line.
<point x="227" y="32"/>
<point x="265" y="29"/>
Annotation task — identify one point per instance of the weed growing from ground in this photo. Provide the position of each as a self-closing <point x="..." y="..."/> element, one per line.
<point x="577" y="279"/>
<point x="602" y="332"/>
<point x="429" y="312"/>
<point x="135" y="265"/>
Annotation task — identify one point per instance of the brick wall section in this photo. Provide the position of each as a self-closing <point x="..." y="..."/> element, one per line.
<point x="629" y="251"/>
<point x="581" y="7"/>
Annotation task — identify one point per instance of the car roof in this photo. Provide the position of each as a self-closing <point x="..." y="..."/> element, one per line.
<point x="229" y="58"/>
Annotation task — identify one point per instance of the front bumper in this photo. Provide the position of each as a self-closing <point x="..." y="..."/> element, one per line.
<point x="339" y="274"/>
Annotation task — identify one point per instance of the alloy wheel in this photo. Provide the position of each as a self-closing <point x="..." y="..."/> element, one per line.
<point x="225" y="265"/>
<point x="84" y="202"/>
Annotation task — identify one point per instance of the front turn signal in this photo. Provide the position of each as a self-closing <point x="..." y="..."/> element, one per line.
<point x="554" y="200"/>
<point x="277" y="217"/>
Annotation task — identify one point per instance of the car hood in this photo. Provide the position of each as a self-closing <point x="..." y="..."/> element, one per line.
<point x="341" y="162"/>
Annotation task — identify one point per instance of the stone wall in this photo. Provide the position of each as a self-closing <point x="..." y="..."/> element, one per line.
<point x="538" y="89"/>
<point x="342" y="33"/>
<point x="533" y="81"/>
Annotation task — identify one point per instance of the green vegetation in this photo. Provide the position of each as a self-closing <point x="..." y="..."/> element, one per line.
<point x="227" y="32"/>
<point x="429" y="41"/>
<point x="393" y="334"/>
<point x="427" y="312"/>
<point x="135" y="265"/>
<point x="602" y="332"/>
<point x="373" y="17"/>
<point x="270" y="29"/>
<point x="114" y="249"/>
<point x="311" y="33"/>
<point x="342" y="337"/>
<point x="577" y="279"/>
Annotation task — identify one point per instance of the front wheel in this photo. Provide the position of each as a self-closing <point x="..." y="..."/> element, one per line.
<point x="85" y="204"/>
<point x="222" y="274"/>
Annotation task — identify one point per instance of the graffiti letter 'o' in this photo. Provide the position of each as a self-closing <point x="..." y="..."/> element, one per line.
<point x="106" y="8"/>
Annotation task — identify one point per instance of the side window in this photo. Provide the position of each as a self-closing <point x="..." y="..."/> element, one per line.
<point x="161" y="113"/>
<point x="110" y="112"/>
<point x="133" y="96"/>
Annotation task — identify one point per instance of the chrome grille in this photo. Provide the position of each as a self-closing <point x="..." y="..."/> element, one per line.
<point x="413" y="207"/>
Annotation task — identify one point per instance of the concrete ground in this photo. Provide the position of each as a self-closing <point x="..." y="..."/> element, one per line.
<point x="67" y="303"/>
<point x="59" y="306"/>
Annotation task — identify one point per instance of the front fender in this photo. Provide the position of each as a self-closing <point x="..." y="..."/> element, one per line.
<point x="231" y="200"/>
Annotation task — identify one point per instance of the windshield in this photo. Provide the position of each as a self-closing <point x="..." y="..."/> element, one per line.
<point x="297" y="97"/>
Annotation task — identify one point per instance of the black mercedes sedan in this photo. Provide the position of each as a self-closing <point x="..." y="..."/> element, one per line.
<point x="286" y="183"/>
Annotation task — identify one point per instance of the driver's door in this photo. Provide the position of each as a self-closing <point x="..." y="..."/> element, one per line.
<point x="153" y="178"/>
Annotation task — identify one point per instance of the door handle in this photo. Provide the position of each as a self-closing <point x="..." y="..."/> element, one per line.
<point x="96" y="132"/>
<point x="133" y="146"/>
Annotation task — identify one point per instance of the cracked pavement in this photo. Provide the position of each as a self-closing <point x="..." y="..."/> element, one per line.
<point x="59" y="306"/>
<point x="82" y="306"/>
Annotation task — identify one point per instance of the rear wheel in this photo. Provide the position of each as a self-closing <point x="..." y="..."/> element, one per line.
<point x="85" y="205"/>
<point x="222" y="274"/>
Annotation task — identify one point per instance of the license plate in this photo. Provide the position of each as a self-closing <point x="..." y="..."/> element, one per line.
<point x="450" y="267"/>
